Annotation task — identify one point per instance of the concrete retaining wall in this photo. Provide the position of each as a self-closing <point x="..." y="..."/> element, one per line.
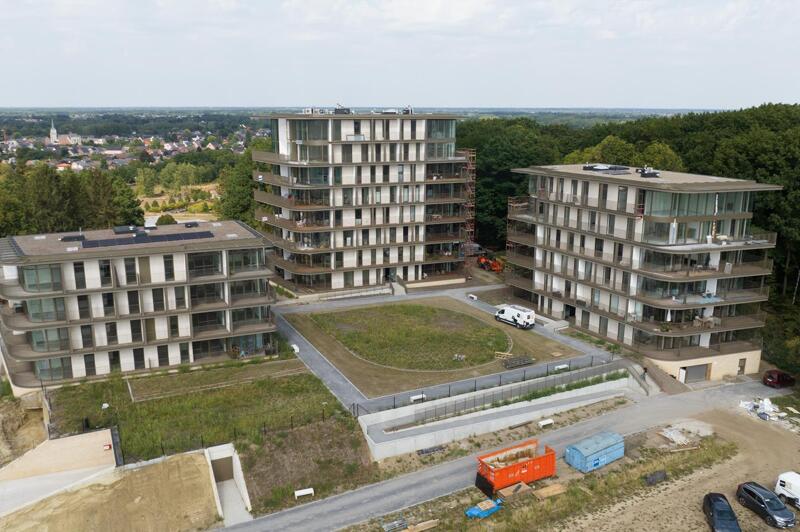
<point x="498" y="421"/>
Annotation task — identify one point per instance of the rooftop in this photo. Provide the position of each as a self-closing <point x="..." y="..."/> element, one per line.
<point x="343" y="113"/>
<point x="128" y="240"/>
<point x="664" y="180"/>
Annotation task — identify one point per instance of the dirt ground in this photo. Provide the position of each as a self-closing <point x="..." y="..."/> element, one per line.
<point x="764" y="451"/>
<point x="172" y="495"/>
<point x="20" y="430"/>
<point x="375" y="380"/>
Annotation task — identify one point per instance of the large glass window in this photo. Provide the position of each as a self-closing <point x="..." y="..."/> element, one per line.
<point x="244" y="316"/>
<point x="45" y="309"/>
<point x="158" y="299"/>
<point x="49" y="339"/>
<point x="41" y="278"/>
<point x="169" y="268"/>
<point x="53" y="369"/>
<point x="204" y="264"/>
<point x="130" y="270"/>
<point x="163" y="355"/>
<point x="441" y="129"/>
<point x="439" y="150"/>
<point x="136" y="330"/>
<point x="138" y="358"/>
<point x="105" y="273"/>
<point x="240" y="260"/>
<point x="80" y="275"/>
<point x="88" y="363"/>
<point x="308" y="129"/>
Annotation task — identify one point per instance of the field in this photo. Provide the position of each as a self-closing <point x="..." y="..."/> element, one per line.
<point x="376" y="379"/>
<point x="409" y="336"/>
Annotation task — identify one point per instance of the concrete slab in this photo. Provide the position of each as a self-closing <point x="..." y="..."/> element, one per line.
<point x="233" y="506"/>
<point x="15" y="494"/>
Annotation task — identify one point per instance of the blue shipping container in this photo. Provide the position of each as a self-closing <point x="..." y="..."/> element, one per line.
<point x="595" y="452"/>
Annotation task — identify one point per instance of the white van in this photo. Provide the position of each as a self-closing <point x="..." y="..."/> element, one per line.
<point x="788" y="488"/>
<point x="520" y="317"/>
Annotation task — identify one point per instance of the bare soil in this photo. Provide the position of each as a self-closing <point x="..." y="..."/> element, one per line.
<point x="20" y="430"/>
<point x="376" y="380"/>
<point x="171" y="495"/>
<point x="764" y="451"/>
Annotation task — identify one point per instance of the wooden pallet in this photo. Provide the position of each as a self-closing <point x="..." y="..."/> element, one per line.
<point x="550" y="491"/>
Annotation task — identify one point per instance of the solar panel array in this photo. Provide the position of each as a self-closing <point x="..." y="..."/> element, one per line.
<point x="144" y="238"/>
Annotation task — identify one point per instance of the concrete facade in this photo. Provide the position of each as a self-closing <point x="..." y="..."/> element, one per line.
<point x="354" y="200"/>
<point x="665" y="263"/>
<point x="76" y="306"/>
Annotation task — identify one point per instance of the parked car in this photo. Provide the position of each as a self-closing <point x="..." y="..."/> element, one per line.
<point x="520" y="317"/>
<point x="719" y="514"/>
<point x="788" y="488"/>
<point x="777" y="379"/>
<point x="766" y="504"/>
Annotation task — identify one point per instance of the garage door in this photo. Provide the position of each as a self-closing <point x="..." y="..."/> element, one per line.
<point x="696" y="373"/>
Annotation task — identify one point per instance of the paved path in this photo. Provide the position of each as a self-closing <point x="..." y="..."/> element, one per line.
<point x="233" y="507"/>
<point x="349" y="395"/>
<point x="392" y="495"/>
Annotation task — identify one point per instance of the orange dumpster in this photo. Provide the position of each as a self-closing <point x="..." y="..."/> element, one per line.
<point x="520" y="463"/>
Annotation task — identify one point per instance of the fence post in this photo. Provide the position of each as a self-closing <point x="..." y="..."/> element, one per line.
<point x="162" y="449"/>
<point x="291" y="422"/>
<point x="203" y="443"/>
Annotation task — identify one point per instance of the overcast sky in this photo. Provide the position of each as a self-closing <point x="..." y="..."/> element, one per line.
<point x="461" y="53"/>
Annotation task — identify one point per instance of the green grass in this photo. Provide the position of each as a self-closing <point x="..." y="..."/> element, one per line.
<point x="5" y="388"/>
<point x="611" y="347"/>
<point x="189" y="421"/>
<point x="414" y="336"/>
<point x="792" y="400"/>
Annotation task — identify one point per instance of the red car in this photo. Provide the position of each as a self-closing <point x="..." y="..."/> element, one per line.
<point x="777" y="378"/>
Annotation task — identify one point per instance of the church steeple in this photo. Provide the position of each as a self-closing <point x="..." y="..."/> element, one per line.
<point x="53" y="133"/>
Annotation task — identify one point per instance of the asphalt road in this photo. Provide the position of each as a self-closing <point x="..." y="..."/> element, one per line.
<point x="392" y="495"/>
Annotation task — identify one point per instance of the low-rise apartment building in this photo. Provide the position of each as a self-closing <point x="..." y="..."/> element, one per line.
<point x="357" y="199"/>
<point x="76" y="305"/>
<point x="666" y="263"/>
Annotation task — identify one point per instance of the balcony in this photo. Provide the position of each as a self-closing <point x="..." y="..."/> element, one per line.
<point x="445" y="178"/>
<point x="443" y="237"/>
<point x="304" y="225"/>
<point x="688" y="353"/>
<point x="663" y="299"/>
<point x="275" y="158"/>
<point x="442" y="257"/>
<point x="297" y="203"/>
<point x="744" y="269"/>
<point x="520" y="259"/>
<point x="513" y="279"/>
<point x="295" y="267"/>
<point x="700" y="325"/>
<point x="254" y="325"/>
<point x="432" y="199"/>
<point x="444" y="218"/>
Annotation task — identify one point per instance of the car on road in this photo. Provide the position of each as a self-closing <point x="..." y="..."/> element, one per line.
<point x="777" y="379"/>
<point x="719" y="514"/>
<point x="766" y="504"/>
<point x="520" y="317"/>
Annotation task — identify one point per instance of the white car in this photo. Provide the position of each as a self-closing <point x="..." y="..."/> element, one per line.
<point x="520" y="317"/>
<point x="788" y="488"/>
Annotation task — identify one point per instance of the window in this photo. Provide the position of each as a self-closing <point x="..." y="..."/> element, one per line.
<point x="169" y="268"/>
<point x="105" y="272"/>
<point x="39" y="310"/>
<point x="111" y="333"/>
<point x="87" y="336"/>
<point x="80" y="275"/>
<point x="158" y="299"/>
<point x="108" y="303"/>
<point x="174" y="330"/>
<point x="54" y="369"/>
<point x="84" y="311"/>
<point x="184" y="347"/>
<point x="163" y="355"/>
<point x="41" y="278"/>
<point x="113" y="361"/>
<point x="180" y="297"/>
<point x="130" y="270"/>
<point x="88" y="364"/>
<point x="133" y="302"/>
<point x="622" y="198"/>
<point x="138" y="358"/>
<point x="136" y="330"/>
<point x="49" y="339"/>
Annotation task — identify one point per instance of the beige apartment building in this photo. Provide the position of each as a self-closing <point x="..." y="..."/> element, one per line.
<point x="78" y="305"/>
<point x="356" y="199"/>
<point x="666" y="263"/>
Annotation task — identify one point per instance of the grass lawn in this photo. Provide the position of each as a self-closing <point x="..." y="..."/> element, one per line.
<point x="186" y="422"/>
<point x="412" y="336"/>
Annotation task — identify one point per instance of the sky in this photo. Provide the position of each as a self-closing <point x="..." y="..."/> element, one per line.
<point x="703" y="54"/>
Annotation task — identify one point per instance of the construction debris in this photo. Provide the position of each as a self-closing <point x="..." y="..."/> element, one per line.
<point x="550" y="491"/>
<point x="763" y="408"/>
<point x="674" y="435"/>
<point x="512" y="491"/>
<point x="425" y="525"/>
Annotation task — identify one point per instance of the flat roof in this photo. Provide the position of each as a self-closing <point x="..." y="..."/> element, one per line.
<point x="666" y="180"/>
<point x="134" y="241"/>
<point x="361" y="115"/>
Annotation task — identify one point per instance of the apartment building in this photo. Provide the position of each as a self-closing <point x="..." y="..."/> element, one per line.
<point x="357" y="199"/>
<point x="76" y="305"/>
<point x="666" y="263"/>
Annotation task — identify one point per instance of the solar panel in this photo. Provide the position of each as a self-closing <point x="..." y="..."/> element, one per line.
<point x="141" y="238"/>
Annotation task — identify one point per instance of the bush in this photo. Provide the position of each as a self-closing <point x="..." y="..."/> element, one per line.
<point x="5" y="388"/>
<point x="166" y="219"/>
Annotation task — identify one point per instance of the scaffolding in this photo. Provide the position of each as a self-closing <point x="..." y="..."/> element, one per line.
<point x="468" y="173"/>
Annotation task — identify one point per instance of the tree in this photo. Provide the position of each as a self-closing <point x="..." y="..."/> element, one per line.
<point x="236" y="190"/>
<point x="661" y="156"/>
<point x="166" y="219"/>
<point x="146" y="180"/>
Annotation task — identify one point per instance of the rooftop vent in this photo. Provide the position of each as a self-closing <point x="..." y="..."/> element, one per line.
<point x="341" y="110"/>
<point x="648" y="171"/>
<point x="612" y="169"/>
<point x="73" y="238"/>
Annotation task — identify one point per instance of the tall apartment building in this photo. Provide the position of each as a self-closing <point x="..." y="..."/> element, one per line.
<point x="356" y="199"/>
<point x="78" y="305"/>
<point x="665" y="263"/>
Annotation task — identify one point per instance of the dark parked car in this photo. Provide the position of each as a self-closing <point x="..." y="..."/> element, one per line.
<point x="719" y="514"/>
<point x="777" y="378"/>
<point x="766" y="504"/>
